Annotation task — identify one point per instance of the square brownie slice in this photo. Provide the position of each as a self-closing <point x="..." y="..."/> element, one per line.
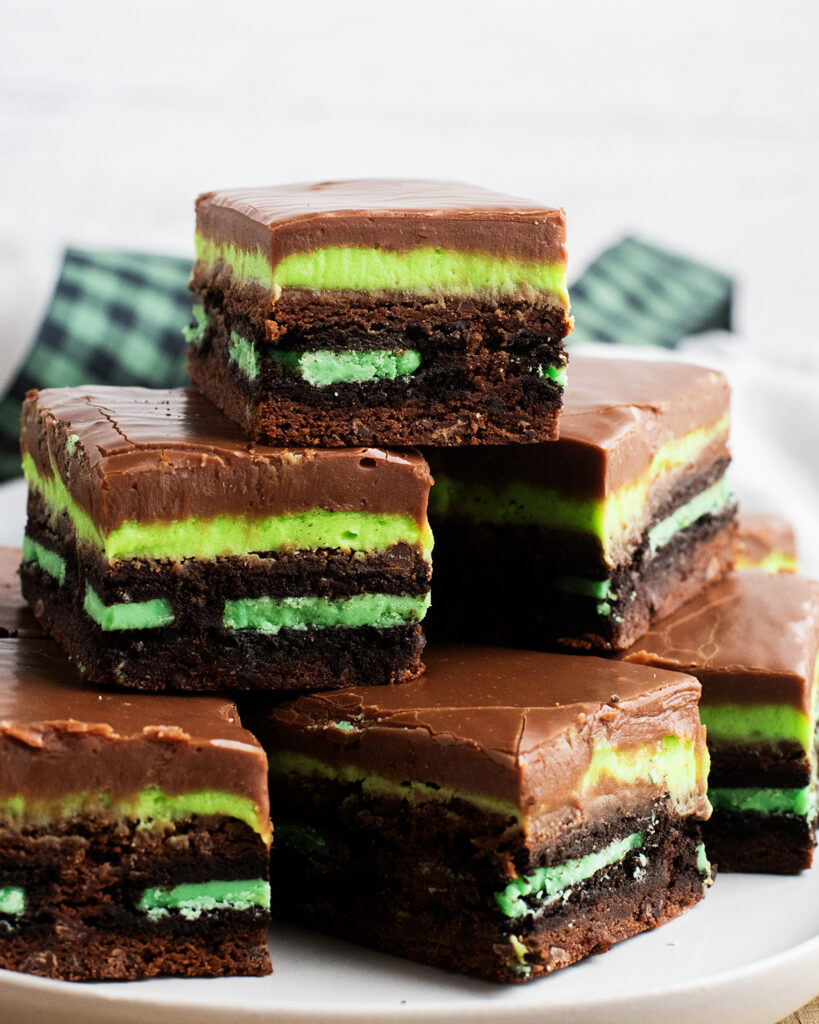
<point x="585" y="541"/>
<point x="380" y="312"/>
<point x="752" y="641"/>
<point x="134" y="829"/>
<point x="504" y="815"/>
<point x="166" y="552"/>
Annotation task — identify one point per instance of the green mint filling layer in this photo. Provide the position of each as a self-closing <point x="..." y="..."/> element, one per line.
<point x="243" y="352"/>
<point x="799" y="802"/>
<point x="49" y="561"/>
<point x="752" y="723"/>
<point x="12" y="900"/>
<point x="425" y="270"/>
<point x="194" y="333"/>
<point x="557" y="374"/>
<point x="191" y="900"/>
<point x="521" y="504"/>
<point x="713" y="499"/>
<point x="669" y="764"/>
<point x="269" y="615"/>
<point x="127" y="615"/>
<point x="546" y="883"/>
<point x="71" y="443"/>
<point x="148" y="806"/>
<point x="325" y="367"/>
<point x="224" y="535"/>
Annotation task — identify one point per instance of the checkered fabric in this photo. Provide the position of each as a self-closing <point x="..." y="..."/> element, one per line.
<point x="117" y="318"/>
<point x="637" y="294"/>
<point x="114" y="318"/>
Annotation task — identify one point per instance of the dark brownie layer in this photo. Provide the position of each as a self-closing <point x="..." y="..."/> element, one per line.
<point x="209" y="658"/>
<point x="418" y="880"/>
<point x="73" y="952"/>
<point x="83" y="877"/>
<point x="512" y="575"/>
<point x="778" y="844"/>
<point x="478" y="382"/>
<point x="764" y="765"/>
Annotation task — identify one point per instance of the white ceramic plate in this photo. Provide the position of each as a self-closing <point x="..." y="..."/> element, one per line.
<point x="749" y="954"/>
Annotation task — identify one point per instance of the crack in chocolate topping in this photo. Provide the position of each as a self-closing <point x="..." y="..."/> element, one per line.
<point x="382" y="213"/>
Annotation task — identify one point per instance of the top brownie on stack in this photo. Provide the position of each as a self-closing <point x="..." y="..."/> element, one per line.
<point x="380" y="312"/>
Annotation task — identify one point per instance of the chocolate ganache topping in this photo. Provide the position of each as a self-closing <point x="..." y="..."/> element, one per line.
<point x="753" y="638"/>
<point x="512" y="725"/>
<point x="150" y="455"/>
<point x="59" y="736"/>
<point x="385" y="214"/>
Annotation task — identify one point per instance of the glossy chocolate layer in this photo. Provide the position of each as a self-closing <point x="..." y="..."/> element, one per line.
<point x="151" y="456"/>
<point x="59" y="736"/>
<point x="751" y="639"/>
<point x="385" y="214"/>
<point x="510" y="725"/>
<point x="761" y="536"/>
<point x="617" y="414"/>
<point x="16" y="618"/>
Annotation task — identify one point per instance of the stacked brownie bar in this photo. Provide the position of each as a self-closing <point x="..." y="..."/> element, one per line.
<point x="583" y="542"/>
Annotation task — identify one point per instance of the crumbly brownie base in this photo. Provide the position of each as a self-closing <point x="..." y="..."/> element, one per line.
<point x="776" y="844"/>
<point x="213" y="659"/>
<point x="83" y="877"/>
<point x="478" y="383"/>
<point x="73" y="953"/>
<point x="418" y="881"/>
<point x="511" y="575"/>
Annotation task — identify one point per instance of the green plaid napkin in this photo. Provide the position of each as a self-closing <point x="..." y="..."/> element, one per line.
<point x="117" y="318"/>
<point x="637" y="294"/>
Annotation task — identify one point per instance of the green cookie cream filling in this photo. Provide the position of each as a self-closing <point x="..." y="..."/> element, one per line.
<point x="269" y="615"/>
<point x="244" y="355"/>
<point x="49" y="561"/>
<point x="12" y="900"/>
<point x="752" y="723"/>
<point x="149" y="806"/>
<point x="326" y="367"/>
<point x="127" y="615"/>
<point x="194" y="334"/>
<point x="427" y="270"/>
<point x="799" y="802"/>
<point x="224" y="535"/>
<point x="707" y="502"/>
<point x="191" y="900"/>
<point x="548" y="883"/>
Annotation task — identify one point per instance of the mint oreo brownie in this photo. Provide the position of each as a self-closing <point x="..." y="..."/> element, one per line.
<point x="752" y="641"/>
<point x="165" y="551"/>
<point x="380" y="312"/>
<point x="585" y="541"/>
<point x="134" y="829"/>
<point x="506" y="814"/>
